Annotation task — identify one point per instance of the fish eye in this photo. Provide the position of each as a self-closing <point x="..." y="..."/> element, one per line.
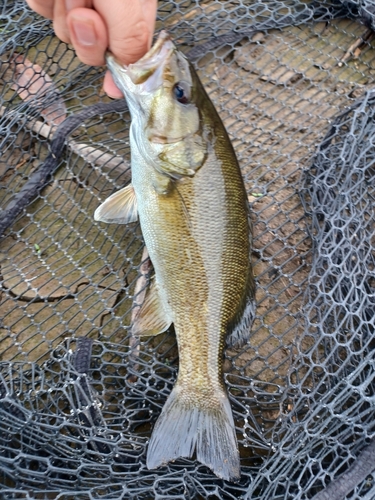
<point x="181" y="92"/>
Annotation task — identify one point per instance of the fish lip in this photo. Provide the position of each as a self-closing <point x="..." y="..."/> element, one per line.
<point x="162" y="38"/>
<point x="158" y="55"/>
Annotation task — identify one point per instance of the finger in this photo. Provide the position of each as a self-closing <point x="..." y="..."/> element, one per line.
<point x="130" y="27"/>
<point x="75" y="4"/>
<point x="149" y="10"/>
<point x="59" y="21"/>
<point x="88" y="35"/>
<point x="60" y="12"/>
<point x="110" y="88"/>
<point x="42" y="7"/>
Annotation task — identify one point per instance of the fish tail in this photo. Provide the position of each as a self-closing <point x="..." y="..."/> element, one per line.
<point x="185" y="426"/>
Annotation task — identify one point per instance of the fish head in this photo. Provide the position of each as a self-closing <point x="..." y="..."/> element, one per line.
<point x="161" y="93"/>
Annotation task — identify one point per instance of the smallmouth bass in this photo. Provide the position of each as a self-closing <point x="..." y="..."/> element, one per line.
<point x="188" y="193"/>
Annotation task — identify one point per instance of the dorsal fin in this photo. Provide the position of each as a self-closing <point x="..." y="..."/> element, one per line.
<point x="239" y="330"/>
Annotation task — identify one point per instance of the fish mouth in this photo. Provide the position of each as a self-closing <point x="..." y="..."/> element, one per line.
<point x="150" y="65"/>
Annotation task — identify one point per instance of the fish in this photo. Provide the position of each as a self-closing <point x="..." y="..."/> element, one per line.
<point x="189" y="196"/>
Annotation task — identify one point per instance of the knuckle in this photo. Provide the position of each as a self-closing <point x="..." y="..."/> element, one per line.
<point x="61" y="32"/>
<point x="87" y="57"/>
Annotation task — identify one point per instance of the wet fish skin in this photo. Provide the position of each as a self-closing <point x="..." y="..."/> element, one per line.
<point x="189" y="194"/>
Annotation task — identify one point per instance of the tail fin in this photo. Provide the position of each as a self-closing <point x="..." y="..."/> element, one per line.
<point x="208" y="428"/>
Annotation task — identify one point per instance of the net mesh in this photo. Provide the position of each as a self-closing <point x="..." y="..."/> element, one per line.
<point x="78" y="395"/>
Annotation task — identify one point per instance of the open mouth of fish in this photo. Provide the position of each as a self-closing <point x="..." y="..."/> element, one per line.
<point x="149" y="69"/>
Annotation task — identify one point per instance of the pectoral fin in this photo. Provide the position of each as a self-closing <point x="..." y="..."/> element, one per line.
<point x="120" y="207"/>
<point x="152" y="318"/>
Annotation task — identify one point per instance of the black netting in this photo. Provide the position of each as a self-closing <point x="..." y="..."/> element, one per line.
<point x="79" y="395"/>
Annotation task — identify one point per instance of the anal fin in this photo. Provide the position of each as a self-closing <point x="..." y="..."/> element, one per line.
<point x="120" y="207"/>
<point x="152" y="318"/>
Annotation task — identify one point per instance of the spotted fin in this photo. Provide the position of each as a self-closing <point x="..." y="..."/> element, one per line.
<point x="120" y="207"/>
<point x="152" y="318"/>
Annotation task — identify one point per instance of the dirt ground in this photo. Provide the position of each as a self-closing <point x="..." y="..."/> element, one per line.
<point x="64" y="275"/>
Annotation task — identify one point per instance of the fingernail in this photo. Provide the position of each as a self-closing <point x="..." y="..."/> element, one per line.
<point x="84" y="31"/>
<point x="115" y="95"/>
<point x="110" y="87"/>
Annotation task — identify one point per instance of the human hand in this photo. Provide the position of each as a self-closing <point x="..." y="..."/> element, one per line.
<point x="125" y="27"/>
